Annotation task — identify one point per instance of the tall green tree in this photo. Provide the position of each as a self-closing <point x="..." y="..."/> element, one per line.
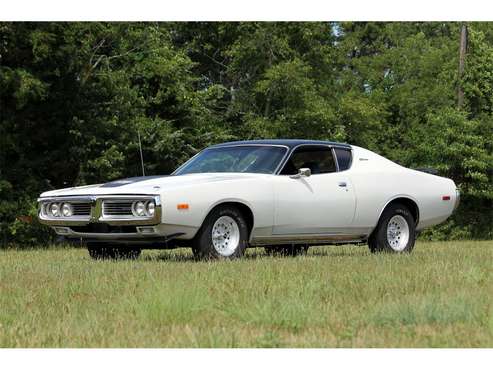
<point x="74" y="96"/>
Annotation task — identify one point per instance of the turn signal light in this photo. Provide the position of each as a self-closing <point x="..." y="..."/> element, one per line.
<point x="182" y="206"/>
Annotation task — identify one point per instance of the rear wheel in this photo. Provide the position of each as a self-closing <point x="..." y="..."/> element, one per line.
<point x="395" y="232"/>
<point x="292" y="250"/>
<point x="224" y="234"/>
<point x="103" y="252"/>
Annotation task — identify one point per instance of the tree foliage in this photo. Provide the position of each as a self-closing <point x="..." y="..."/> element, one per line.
<point x="74" y="96"/>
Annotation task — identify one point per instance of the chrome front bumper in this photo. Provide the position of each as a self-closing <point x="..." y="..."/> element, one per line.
<point x="146" y="237"/>
<point x="457" y="199"/>
<point x="96" y="213"/>
<point x="141" y="233"/>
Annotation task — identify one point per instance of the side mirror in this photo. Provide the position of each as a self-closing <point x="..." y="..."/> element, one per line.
<point x="302" y="172"/>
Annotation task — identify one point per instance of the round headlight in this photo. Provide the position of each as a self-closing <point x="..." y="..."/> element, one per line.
<point x="140" y="209"/>
<point x="151" y="208"/>
<point x="67" y="210"/>
<point x="55" y="209"/>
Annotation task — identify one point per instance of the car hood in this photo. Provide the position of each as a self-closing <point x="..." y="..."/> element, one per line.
<point x="151" y="184"/>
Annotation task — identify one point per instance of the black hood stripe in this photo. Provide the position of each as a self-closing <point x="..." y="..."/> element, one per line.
<point x="130" y="180"/>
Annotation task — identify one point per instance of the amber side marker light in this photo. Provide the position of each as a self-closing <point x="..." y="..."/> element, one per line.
<point x="182" y="206"/>
<point x="446" y="197"/>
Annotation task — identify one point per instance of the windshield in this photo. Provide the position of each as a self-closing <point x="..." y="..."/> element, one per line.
<point x="244" y="158"/>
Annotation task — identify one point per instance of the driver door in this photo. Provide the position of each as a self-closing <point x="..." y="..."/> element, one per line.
<point x="322" y="203"/>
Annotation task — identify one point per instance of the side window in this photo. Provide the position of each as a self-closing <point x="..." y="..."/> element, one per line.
<point x="317" y="159"/>
<point x="343" y="158"/>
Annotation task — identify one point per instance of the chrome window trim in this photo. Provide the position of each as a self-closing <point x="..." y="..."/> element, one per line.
<point x="350" y="150"/>
<point x="96" y="215"/>
<point x="275" y="172"/>
<point x="289" y="152"/>
<point x="332" y="149"/>
<point x="319" y="145"/>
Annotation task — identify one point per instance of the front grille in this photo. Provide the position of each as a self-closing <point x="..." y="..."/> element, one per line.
<point x="117" y="208"/>
<point x="111" y="209"/>
<point x="81" y="209"/>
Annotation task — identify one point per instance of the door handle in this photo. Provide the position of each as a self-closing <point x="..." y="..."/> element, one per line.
<point x="342" y="184"/>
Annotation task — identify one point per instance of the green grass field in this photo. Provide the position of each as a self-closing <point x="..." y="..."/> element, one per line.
<point x="439" y="296"/>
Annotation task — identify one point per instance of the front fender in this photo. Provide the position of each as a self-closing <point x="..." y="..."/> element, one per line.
<point x="256" y="195"/>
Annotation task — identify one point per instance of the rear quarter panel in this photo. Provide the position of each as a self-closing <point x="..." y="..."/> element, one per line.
<point x="377" y="181"/>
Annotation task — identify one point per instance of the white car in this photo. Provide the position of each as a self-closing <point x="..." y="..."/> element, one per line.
<point x="281" y="194"/>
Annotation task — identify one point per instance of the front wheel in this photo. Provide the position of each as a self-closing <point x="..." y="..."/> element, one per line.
<point x="224" y="234"/>
<point x="395" y="232"/>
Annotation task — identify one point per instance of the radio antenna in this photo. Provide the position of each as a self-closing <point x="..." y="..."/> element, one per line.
<point x="141" y="156"/>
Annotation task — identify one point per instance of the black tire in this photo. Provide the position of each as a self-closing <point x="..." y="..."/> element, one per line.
<point x="378" y="241"/>
<point x="104" y="252"/>
<point x="202" y="244"/>
<point x="291" y="250"/>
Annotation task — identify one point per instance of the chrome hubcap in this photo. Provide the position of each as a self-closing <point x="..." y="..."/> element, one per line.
<point x="397" y="233"/>
<point x="225" y="236"/>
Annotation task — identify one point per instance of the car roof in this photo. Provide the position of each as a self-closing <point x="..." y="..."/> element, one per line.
<point x="290" y="143"/>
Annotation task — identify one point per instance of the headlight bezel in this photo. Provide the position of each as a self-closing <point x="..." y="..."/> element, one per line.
<point x="139" y="205"/>
<point x="145" y="207"/>
<point x="54" y="206"/>
<point x="151" y="208"/>
<point x="65" y="206"/>
<point x="58" y="209"/>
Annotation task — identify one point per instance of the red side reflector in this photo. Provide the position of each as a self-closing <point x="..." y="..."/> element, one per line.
<point x="446" y="197"/>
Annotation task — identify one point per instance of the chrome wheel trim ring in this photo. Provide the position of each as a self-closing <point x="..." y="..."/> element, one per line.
<point x="398" y="233"/>
<point x="225" y="235"/>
